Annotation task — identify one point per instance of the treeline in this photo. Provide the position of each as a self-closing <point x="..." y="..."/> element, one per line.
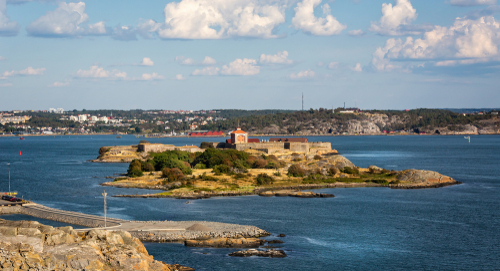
<point x="295" y="121"/>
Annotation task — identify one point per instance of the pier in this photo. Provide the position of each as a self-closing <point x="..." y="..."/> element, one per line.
<point x="151" y="231"/>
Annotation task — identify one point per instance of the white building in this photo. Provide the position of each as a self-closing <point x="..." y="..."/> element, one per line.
<point x="82" y="118"/>
<point x="73" y="118"/>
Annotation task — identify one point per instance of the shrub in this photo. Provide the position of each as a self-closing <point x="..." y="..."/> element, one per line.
<point x="205" y="177"/>
<point x="350" y="170"/>
<point x="172" y="174"/>
<point x="277" y="174"/>
<point x="296" y="171"/>
<point x="263" y="179"/>
<point x="200" y="166"/>
<point x="221" y="169"/>
<point x="206" y="145"/>
<point x="297" y="159"/>
<point x="103" y="150"/>
<point x="260" y="163"/>
<point x="317" y="157"/>
<point x="143" y="141"/>
<point x="147" y="167"/>
<point x="135" y="173"/>
<point x="332" y="171"/>
<point x="239" y="176"/>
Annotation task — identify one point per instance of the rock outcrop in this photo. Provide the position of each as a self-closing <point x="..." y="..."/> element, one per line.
<point x="29" y="245"/>
<point x="270" y="253"/>
<point x="226" y="243"/>
<point x="413" y="178"/>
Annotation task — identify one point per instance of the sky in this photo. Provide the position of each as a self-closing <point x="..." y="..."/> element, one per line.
<point x="249" y="54"/>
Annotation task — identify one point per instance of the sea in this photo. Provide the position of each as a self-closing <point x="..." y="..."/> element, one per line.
<point x="450" y="228"/>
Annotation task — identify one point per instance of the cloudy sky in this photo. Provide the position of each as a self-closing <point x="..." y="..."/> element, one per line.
<point x="249" y="54"/>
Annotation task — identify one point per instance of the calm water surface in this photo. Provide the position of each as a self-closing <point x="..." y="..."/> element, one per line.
<point x="451" y="228"/>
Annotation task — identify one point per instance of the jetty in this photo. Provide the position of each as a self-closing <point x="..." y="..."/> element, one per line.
<point x="150" y="231"/>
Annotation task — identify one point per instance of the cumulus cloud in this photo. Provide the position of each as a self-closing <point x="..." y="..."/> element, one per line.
<point x="27" y="71"/>
<point x="149" y="77"/>
<point x="2" y="58"/>
<point x="208" y="61"/>
<point x="468" y="3"/>
<point x="99" y="72"/>
<point x="279" y="58"/>
<point x="305" y="20"/>
<point x="6" y="85"/>
<point x="396" y="19"/>
<point x="303" y="75"/>
<point x="191" y="62"/>
<point x="333" y="65"/>
<point x="7" y="27"/>
<point x="205" y="19"/>
<point x="357" y="68"/>
<point x="179" y="77"/>
<point x="241" y="67"/>
<point x="466" y="40"/>
<point x="59" y="84"/>
<point x="147" y="62"/>
<point x="358" y="32"/>
<point x="206" y="71"/>
<point x="63" y="21"/>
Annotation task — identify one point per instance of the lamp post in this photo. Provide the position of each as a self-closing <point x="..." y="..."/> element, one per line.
<point x="8" y="164"/>
<point x="104" y="195"/>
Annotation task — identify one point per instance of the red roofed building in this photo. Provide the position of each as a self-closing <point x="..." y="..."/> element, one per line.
<point x="239" y="136"/>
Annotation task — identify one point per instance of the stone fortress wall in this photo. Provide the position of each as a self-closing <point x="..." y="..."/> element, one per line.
<point x="282" y="147"/>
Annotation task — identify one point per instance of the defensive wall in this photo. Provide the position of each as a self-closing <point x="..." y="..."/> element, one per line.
<point x="157" y="147"/>
<point x="281" y="147"/>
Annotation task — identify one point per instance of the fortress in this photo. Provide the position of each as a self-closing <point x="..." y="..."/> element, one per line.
<point x="240" y="141"/>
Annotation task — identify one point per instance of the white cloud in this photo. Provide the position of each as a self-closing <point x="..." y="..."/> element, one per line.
<point x="468" y="3"/>
<point x="358" y="32"/>
<point x="6" y="85"/>
<point x="206" y="71"/>
<point x="357" y="68"/>
<point x="99" y="72"/>
<point x="333" y="65"/>
<point x="303" y="74"/>
<point x="179" y="77"/>
<point x="305" y="20"/>
<point x="208" y="61"/>
<point x="2" y="58"/>
<point x="147" y="62"/>
<point x="394" y="18"/>
<point x="279" y="58"/>
<point x="241" y="67"/>
<point x="7" y="27"/>
<point x="27" y="71"/>
<point x="63" y="21"/>
<point x="124" y="33"/>
<point x="97" y="29"/>
<point x="150" y="77"/>
<point x="205" y="19"/>
<point x="191" y="62"/>
<point x="147" y="28"/>
<point x="446" y="63"/>
<point x="465" y="39"/>
<point x="59" y="84"/>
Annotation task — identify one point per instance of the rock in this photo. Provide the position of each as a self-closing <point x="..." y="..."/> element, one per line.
<point x="198" y="227"/>
<point x="270" y="253"/>
<point x="412" y="178"/>
<point x="281" y="235"/>
<point x="375" y="168"/>
<point x="275" y="242"/>
<point x="226" y="243"/>
<point x="267" y="194"/>
<point x="64" y="249"/>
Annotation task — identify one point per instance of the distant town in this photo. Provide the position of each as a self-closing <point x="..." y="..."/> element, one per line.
<point x="163" y="123"/>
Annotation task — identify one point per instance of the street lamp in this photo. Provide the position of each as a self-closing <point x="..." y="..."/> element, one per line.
<point x="8" y="164"/>
<point x="104" y="195"/>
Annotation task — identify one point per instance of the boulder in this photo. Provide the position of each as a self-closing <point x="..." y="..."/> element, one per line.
<point x="226" y="243"/>
<point x="270" y="253"/>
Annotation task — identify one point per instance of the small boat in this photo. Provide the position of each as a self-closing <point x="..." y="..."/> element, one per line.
<point x="119" y="137"/>
<point x="21" y="138"/>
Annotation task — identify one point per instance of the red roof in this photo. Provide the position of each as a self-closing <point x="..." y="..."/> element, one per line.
<point x="238" y="131"/>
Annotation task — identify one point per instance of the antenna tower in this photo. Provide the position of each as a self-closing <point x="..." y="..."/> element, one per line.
<point x="302" y="101"/>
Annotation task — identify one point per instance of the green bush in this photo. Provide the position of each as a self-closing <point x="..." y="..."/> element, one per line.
<point x="239" y="176"/>
<point x="103" y="150"/>
<point x="296" y="170"/>
<point x="135" y="173"/>
<point x="277" y="174"/>
<point x="172" y="174"/>
<point x="317" y="157"/>
<point x="200" y="166"/>
<point x="205" y="177"/>
<point x="135" y="168"/>
<point x="349" y="170"/>
<point x="221" y="169"/>
<point x="332" y="171"/>
<point x="263" y="179"/>
<point x="147" y="167"/>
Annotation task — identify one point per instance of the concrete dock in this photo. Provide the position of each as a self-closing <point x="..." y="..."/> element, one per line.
<point x="151" y="231"/>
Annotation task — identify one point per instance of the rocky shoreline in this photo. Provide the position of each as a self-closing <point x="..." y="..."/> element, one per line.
<point x="29" y="245"/>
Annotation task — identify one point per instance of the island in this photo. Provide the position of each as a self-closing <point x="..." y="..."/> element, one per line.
<point x="249" y="166"/>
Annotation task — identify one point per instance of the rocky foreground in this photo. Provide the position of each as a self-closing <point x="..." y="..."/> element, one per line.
<point x="29" y="245"/>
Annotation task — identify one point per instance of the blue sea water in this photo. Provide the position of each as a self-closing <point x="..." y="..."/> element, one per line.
<point x="451" y="228"/>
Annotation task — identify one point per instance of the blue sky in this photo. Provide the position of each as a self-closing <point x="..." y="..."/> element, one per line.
<point x="249" y="54"/>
